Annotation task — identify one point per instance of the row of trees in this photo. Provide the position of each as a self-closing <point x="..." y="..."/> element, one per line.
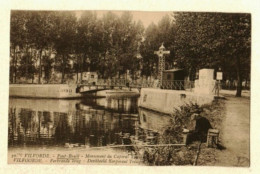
<point x="202" y="40"/>
<point x="113" y="44"/>
<point x="215" y="40"/>
<point x="87" y="42"/>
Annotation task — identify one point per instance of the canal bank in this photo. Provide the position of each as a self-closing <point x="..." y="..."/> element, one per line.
<point x="65" y="91"/>
<point x="165" y="101"/>
<point x="153" y="99"/>
<point x="43" y="91"/>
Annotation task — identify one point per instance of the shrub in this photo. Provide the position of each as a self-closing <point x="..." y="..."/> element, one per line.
<point x="180" y="119"/>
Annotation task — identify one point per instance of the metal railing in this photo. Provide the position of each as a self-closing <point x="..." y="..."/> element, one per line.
<point x="144" y="84"/>
<point x="177" y="84"/>
<point x="166" y="84"/>
<point x="111" y="82"/>
<point x="173" y="84"/>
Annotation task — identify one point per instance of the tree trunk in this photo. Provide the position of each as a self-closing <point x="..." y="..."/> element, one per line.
<point x="81" y="66"/>
<point x="15" y="57"/>
<point x="77" y="71"/>
<point x="239" y="78"/>
<point x="32" y="73"/>
<point x="63" y="69"/>
<point x="12" y="67"/>
<point x="189" y="74"/>
<point x="40" y="68"/>
<point x="26" y="63"/>
<point x="246" y="84"/>
<point x="49" y="67"/>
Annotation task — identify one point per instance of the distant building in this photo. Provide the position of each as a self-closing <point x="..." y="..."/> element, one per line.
<point x="173" y="79"/>
<point x="90" y="77"/>
<point x="173" y="74"/>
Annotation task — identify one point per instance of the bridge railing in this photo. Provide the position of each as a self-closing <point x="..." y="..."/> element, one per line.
<point x="118" y="82"/>
<point x="111" y="82"/>
<point x="173" y="84"/>
<point x="177" y="84"/>
<point x="144" y="84"/>
<point x="101" y="82"/>
<point x="166" y="84"/>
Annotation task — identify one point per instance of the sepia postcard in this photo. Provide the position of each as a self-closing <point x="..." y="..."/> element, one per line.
<point x="129" y="87"/>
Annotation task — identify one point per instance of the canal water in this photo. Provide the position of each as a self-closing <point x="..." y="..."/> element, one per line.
<point x="94" y="122"/>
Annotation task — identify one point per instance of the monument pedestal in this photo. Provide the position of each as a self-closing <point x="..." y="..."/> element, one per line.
<point x="206" y="83"/>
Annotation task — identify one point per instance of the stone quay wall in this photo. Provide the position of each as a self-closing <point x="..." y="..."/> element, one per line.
<point x="165" y="101"/>
<point x="43" y="91"/>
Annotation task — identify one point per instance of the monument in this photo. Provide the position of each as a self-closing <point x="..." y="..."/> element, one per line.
<point x="206" y="83"/>
<point x="161" y="62"/>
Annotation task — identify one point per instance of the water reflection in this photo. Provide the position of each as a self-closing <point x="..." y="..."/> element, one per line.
<point x="93" y="122"/>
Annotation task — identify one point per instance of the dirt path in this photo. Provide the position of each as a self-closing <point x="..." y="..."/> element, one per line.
<point x="235" y="133"/>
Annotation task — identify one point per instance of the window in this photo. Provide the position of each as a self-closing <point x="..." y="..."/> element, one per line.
<point x="92" y="76"/>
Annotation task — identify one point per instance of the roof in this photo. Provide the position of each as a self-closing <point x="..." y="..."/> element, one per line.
<point x="173" y="70"/>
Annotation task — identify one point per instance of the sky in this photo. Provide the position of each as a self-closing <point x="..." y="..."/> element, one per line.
<point x="146" y="17"/>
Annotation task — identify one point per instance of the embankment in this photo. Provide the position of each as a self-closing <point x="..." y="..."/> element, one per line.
<point x="43" y="91"/>
<point x="165" y="100"/>
<point x="63" y="91"/>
